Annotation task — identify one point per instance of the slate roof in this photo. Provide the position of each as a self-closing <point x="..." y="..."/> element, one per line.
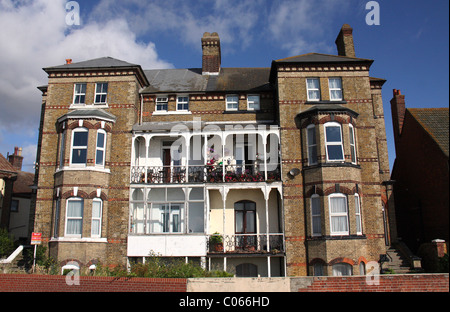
<point x="435" y="121"/>
<point x="102" y="62"/>
<point x="192" y="80"/>
<point x="321" y="58"/>
<point x="86" y="113"/>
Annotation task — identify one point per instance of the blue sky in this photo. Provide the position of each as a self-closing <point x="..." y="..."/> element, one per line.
<point x="410" y="46"/>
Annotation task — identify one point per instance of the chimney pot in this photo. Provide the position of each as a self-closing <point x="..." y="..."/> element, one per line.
<point x="68" y="61"/>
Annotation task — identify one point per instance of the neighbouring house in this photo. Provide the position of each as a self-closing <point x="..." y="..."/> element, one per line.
<point x="420" y="172"/>
<point x="8" y="174"/>
<point x="277" y="171"/>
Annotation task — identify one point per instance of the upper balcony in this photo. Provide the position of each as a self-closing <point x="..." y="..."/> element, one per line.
<point x="207" y="157"/>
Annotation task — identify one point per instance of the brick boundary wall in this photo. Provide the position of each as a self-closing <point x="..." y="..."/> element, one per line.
<point x="387" y="283"/>
<point x="57" y="283"/>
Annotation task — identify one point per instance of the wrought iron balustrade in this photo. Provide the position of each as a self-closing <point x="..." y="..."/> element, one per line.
<point x="246" y="243"/>
<point x="205" y="173"/>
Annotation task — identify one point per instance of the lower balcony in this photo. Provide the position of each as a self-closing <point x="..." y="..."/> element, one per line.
<point x="245" y="244"/>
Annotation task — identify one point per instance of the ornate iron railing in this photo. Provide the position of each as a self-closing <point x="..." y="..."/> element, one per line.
<point x="204" y="174"/>
<point x="246" y="243"/>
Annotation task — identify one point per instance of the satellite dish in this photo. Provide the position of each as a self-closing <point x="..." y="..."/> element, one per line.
<point x="294" y="172"/>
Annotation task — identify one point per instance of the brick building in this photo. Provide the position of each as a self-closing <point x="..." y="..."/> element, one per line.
<point x="421" y="186"/>
<point x="260" y="171"/>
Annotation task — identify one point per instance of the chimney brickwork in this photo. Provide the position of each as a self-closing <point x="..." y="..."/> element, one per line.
<point x="16" y="159"/>
<point x="344" y="41"/>
<point x="398" y="113"/>
<point x="211" y="57"/>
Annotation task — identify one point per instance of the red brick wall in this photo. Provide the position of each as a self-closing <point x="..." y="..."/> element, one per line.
<point x="387" y="283"/>
<point x="57" y="283"/>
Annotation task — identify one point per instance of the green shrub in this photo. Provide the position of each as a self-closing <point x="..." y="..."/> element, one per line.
<point x="6" y="244"/>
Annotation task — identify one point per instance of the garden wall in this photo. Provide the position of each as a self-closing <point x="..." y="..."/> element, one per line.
<point x="387" y="283"/>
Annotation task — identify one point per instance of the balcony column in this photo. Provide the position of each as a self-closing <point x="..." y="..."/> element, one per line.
<point x="187" y="141"/>
<point x="224" y="192"/>
<point x="264" y="141"/>
<point x="266" y="191"/>
<point x="147" y="145"/>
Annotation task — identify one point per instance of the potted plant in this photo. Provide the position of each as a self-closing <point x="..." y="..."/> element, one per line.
<point x="216" y="242"/>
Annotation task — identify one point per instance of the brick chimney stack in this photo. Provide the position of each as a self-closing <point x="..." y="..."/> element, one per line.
<point x="211" y="57"/>
<point x="344" y="41"/>
<point x="398" y="113"/>
<point x="16" y="159"/>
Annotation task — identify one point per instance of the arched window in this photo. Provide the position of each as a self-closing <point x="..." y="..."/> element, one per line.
<point x="342" y="269"/>
<point x="74" y="216"/>
<point x="316" y="218"/>
<point x="352" y="143"/>
<point x="100" y="148"/>
<point x="78" y="153"/>
<point x="333" y="142"/>
<point x="312" y="144"/>
<point x="358" y="215"/>
<point x="96" y="224"/>
<point x="338" y="214"/>
<point x="246" y="270"/>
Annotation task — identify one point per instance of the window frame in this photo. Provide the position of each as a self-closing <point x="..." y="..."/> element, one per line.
<point x="183" y="103"/>
<point x="99" y="219"/>
<point x="311" y="160"/>
<point x="250" y="103"/>
<point x="102" y="149"/>
<point x="335" y="89"/>
<point x="327" y="143"/>
<point x="352" y="137"/>
<point x="79" y="94"/>
<point x="72" y="146"/>
<point x="159" y="102"/>
<point x="319" y="215"/>
<point x="358" y="215"/>
<point x="228" y="102"/>
<point x="313" y="89"/>
<point x="101" y="93"/>
<point x="78" y="235"/>
<point x="338" y="214"/>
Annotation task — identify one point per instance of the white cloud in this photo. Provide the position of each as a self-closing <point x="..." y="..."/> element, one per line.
<point x="35" y="35"/>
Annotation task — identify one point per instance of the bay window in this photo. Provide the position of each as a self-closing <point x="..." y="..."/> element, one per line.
<point x="312" y="144"/>
<point x="338" y="214"/>
<point x="74" y="216"/>
<point x="333" y="142"/>
<point x="358" y="215"/>
<point x="96" y="224"/>
<point x="352" y="143"/>
<point x="78" y="153"/>
<point x="316" y="218"/>
<point x="100" y="148"/>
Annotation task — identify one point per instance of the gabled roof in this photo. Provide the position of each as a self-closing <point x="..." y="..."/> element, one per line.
<point x="321" y="58"/>
<point x="192" y="80"/>
<point x="5" y="166"/>
<point x="102" y="62"/>
<point x="435" y="121"/>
